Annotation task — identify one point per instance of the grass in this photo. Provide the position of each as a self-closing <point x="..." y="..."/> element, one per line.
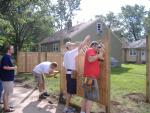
<point x="52" y="84"/>
<point x="129" y="78"/>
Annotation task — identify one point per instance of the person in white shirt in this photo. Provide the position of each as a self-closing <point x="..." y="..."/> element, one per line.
<point x="41" y="70"/>
<point x="70" y="68"/>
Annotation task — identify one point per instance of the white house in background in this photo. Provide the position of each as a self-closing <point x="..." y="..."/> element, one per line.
<point x="134" y="52"/>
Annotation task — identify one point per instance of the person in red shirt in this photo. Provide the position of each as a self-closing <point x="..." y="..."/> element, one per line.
<point x="91" y="73"/>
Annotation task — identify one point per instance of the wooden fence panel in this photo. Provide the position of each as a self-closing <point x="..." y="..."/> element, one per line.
<point x="21" y="62"/>
<point x="42" y="56"/>
<point x="27" y="60"/>
<point x="31" y="60"/>
<point x="80" y="69"/>
<point x="55" y="57"/>
<point x="63" y="80"/>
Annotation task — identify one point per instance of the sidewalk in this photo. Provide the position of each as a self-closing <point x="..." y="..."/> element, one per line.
<point x="25" y="101"/>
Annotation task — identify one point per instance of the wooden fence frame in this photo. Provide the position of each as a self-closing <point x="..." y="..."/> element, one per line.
<point x="105" y="70"/>
<point x="148" y="69"/>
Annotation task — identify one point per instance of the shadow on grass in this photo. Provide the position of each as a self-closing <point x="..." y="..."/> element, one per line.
<point x="120" y="70"/>
<point x="21" y="77"/>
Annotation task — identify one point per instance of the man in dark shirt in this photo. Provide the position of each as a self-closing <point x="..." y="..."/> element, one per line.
<point x="1" y="88"/>
<point x="7" y="77"/>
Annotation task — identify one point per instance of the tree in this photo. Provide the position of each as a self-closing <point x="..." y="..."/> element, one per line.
<point x="147" y="23"/>
<point x="112" y="21"/>
<point x="22" y="21"/>
<point x="129" y="23"/>
<point x="132" y="19"/>
<point x="63" y="11"/>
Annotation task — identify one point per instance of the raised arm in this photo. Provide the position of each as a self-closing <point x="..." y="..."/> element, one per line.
<point x="86" y="40"/>
<point x="94" y="58"/>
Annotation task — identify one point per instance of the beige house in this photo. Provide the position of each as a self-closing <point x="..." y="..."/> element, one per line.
<point x="96" y="29"/>
<point x="134" y="52"/>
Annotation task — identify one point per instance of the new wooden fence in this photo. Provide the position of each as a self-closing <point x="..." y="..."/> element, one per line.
<point x="27" y="60"/>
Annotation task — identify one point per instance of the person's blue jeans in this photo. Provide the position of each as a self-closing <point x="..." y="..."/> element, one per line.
<point x="1" y="90"/>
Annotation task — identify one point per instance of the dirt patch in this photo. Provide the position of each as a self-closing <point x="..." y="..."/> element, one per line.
<point x="115" y="103"/>
<point x="120" y="109"/>
<point x="117" y="107"/>
<point x="136" y="97"/>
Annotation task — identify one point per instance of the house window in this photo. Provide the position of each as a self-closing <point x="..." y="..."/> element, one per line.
<point x="46" y="47"/>
<point x="132" y="52"/>
<point x="143" y="52"/>
<point x="42" y="48"/>
<point x="49" y="47"/>
<point x="55" y="47"/>
<point x="66" y="40"/>
<point x="99" y="27"/>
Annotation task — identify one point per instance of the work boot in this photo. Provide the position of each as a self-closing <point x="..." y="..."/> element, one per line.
<point x="46" y="94"/>
<point x="42" y="97"/>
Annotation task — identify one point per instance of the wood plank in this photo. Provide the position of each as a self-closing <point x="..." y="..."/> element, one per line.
<point x="148" y="69"/>
<point x="107" y="69"/>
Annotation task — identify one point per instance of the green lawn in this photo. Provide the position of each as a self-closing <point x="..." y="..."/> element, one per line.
<point x="130" y="78"/>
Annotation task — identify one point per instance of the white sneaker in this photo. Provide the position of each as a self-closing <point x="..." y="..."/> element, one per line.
<point x="68" y="110"/>
<point x="65" y="110"/>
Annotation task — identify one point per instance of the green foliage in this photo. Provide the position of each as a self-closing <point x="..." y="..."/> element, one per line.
<point x="132" y="19"/>
<point x="112" y="20"/>
<point x="129" y="23"/>
<point x="63" y="11"/>
<point x="24" y="21"/>
<point x="147" y="23"/>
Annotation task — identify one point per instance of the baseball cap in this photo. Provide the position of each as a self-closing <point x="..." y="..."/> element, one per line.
<point x="94" y="43"/>
<point x="69" y="44"/>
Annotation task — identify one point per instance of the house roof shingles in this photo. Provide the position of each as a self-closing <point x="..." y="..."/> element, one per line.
<point x="136" y="44"/>
<point x="66" y="33"/>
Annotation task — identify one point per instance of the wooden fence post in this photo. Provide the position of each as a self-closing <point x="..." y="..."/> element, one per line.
<point x="46" y="55"/>
<point x="25" y="61"/>
<point x="39" y="57"/>
<point x="107" y="69"/>
<point x="148" y="69"/>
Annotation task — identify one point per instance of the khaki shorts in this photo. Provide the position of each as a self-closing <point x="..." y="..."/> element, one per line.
<point x="8" y="87"/>
<point x="92" y="92"/>
<point x="38" y="77"/>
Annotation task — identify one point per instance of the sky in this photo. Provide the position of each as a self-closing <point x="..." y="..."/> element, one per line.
<point x="90" y="8"/>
